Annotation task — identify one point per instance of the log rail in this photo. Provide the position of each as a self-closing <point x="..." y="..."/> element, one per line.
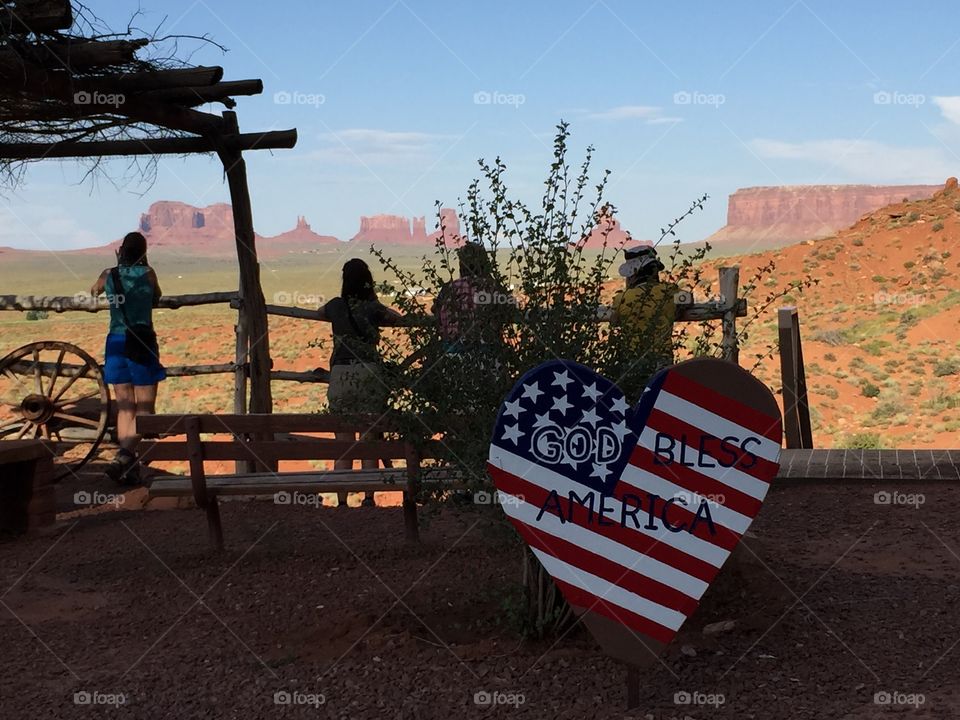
<point x="726" y="308"/>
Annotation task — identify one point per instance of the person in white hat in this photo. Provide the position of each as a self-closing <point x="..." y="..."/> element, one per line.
<point x="646" y="309"/>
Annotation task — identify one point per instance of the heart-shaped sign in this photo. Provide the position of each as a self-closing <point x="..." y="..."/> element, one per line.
<point x="633" y="511"/>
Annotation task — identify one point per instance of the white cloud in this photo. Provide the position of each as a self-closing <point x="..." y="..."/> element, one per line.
<point x="865" y="161"/>
<point x="43" y="227"/>
<point x="950" y="107"/>
<point x="649" y="113"/>
<point x="370" y="146"/>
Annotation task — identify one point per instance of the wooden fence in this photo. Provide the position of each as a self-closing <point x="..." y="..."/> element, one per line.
<point x="727" y="309"/>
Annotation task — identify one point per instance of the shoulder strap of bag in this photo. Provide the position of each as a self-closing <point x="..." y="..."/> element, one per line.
<point x="118" y="291"/>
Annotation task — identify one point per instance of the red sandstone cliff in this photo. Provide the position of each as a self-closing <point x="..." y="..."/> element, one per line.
<point x="397" y="230"/>
<point x="209" y="231"/>
<point x="765" y="217"/>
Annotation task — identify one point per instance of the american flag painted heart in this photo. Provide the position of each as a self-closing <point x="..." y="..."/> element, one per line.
<point x="634" y="510"/>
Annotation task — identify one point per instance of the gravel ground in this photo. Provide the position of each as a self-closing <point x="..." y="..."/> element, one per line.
<point x="327" y="613"/>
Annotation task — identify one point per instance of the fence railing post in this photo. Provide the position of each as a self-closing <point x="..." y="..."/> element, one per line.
<point x="796" y="408"/>
<point x="729" y="286"/>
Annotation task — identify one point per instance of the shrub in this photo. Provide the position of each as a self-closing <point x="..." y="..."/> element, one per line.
<point x="857" y="242"/>
<point x="830" y="337"/>
<point x="886" y="410"/>
<point x="878" y="279"/>
<point x="913" y="216"/>
<point x="946" y="367"/>
<point x="874" y="347"/>
<point x="862" y="441"/>
<point x="830" y="357"/>
<point x="909" y="264"/>
<point x="937" y="226"/>
<point x="831" y="392"/>
<point x="33" y="315"/>
<point x="868" y="389"/>
<point x="551" y="314"/>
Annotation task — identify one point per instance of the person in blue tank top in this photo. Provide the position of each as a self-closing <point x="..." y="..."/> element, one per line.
<point x="134" y="382"/>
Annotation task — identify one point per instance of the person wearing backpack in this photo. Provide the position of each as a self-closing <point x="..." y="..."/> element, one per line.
<point x="356" y="385"/>
<point x="131" y="355"/>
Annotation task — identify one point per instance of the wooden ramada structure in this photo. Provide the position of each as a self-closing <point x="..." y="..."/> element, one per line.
<point x="97" y="99"/>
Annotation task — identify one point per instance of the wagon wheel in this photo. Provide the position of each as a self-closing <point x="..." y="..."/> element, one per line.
<point x="55" y="391"/>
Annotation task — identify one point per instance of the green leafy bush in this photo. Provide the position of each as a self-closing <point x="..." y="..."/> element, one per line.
<point x="862" y="441"/>
<point x="868" y="389"/>
<point x="33" y="315"/>
<point x="937" y="226"/>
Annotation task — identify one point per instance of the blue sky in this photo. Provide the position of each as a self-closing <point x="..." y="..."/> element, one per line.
<point x="395" y="100"/>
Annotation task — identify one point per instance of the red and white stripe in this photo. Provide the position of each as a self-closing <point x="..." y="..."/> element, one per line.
<point x="649" y="580"/>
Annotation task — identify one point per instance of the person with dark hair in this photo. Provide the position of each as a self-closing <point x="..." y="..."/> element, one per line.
<point x="646" y="308"/>
<point x="132" y="356"/>
<point x="356" y="385"/>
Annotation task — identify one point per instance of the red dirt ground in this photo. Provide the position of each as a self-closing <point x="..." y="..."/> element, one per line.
<point x="836" y="599"/>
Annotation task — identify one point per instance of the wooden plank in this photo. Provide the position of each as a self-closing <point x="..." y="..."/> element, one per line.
<point x="274" y="450"/>
<point x="268" y="484"/>
<point x="17" y="451"/>
<point x="268" y="423"/>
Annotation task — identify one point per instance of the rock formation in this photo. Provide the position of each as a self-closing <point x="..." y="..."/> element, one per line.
<point x="766" y="217"/>
<point x="399" y="230"/>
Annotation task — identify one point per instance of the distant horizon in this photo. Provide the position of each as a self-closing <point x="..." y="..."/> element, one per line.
<point x="433" y="227"/>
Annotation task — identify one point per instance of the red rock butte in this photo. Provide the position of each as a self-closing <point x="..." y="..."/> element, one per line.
<point x="208" y="231"/>
<point x="768" y="217"/>
<point x="399" y="230"/>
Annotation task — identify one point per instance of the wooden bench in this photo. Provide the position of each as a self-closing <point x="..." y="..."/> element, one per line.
<point x="246" y="445"/>
<point x="27" y="500"/>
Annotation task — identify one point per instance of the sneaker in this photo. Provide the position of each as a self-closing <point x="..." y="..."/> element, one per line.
<point x="124" y="470"/>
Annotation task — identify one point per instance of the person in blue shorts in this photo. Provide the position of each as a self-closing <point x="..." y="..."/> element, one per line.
<point x="132" y="291"/>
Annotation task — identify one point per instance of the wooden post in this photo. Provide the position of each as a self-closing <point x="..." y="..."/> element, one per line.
<point x="729" y="286"/>
<point x="796" y="408"/>
<point x="198" y="479"/>
<point x="254" y="306"/>
<point x="411" y="492"/>
<point x="633" y="688"/>
<point x="240" y="379"/>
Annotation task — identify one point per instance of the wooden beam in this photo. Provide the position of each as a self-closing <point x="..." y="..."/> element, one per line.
<point x="83" y="302"/>
<point x="729" y="286"/>
<point x="80" y="97"/>
<point x="155" y="79"/>
<point x="36" y="16"/>
<point x="194" y="96"/>
<point x="254" y="305"/>
<point x="277" y="139"/>
<point x="85" y="54"/>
